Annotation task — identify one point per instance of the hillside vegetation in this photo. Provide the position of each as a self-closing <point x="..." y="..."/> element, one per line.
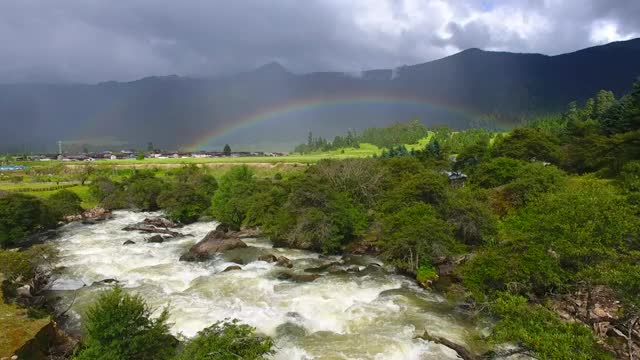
<point x="534" y="232"/>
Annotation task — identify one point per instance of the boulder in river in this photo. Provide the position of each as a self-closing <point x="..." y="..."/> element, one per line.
<point x="324" y="267"/>
<point x="268" y="258"/>
<point x="160" y="222"/>
<point x="155" y="239"/>
<point x="151" y="229"/>
<point x="128" y="242"/>
<point x="232" y="268"/>
<point x="297" y="277"/>
<point x="284" y="262"/>
<point x="215" y="242"/>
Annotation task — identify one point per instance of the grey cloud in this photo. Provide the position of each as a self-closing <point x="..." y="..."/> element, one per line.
<point x="99" y="40"/>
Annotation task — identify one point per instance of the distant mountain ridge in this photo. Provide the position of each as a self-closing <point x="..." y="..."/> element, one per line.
<point x="176" y="112"/>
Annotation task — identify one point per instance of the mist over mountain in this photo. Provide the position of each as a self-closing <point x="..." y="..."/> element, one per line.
<point x="271" y="108"/>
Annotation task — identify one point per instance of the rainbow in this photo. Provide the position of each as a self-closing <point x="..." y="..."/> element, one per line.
<point x="318" y="103"/>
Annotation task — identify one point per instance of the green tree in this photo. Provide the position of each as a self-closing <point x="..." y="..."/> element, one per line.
<point x="64" y="203"/>
<point x="227" y="150"/>
<point x="227" y="340"/>
<point x="143" y="189"/>
<point x="108" y="193"/>
<point x="414" y="236"/>
<point x="231" y="200"/>
<point x="556" y="241"/>
<point x="140" y="156"/>
<point x="119" y="326"/>
<point x="83" y="173"/>
<point x="22" y="215"/>
<point x="183" y="203"/>
<point x="530" y="144"/>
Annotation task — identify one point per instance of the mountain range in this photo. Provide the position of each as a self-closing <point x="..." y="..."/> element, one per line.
<point x="271" y="108"/>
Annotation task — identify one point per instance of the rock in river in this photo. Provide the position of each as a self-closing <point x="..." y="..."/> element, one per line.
<point x="268" y="258"/>
<point x="215" y="242"/>
<point x="284" y="262"/>
<point x="155" y="239"/>
<point x="232" y="268"/>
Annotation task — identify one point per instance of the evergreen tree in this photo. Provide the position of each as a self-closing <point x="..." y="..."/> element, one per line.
<point x="227" y="150"/>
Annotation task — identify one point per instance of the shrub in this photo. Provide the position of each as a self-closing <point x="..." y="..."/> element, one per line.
<point x="143" y="189"/>
<point x="64" y="203"/>
<point x="20" y="216"/>
<point x="119" y="326"/>
<point x="227" y="340"/>
<point x="183" y="203"/>
<point x="415" y="235"/>
<point x="231" y="200"/>
<point x="541" y="331"/>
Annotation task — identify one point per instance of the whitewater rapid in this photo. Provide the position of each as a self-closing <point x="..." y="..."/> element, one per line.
<point x="367" y="315"/>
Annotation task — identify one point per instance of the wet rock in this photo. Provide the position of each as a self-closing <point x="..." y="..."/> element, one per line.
<point x="337" y="271"/>
<point x="284" y="262"/>
<point x="160" y="222"/>
<point x="128" y="242"/>
<point x="155" y="239"/>
<point x="290" y="330"/>
<point x="268" y="258"/>
<point x="215" y="242"/>
<point x="293" y="314"/>
<point x="151" y="229"/>
<point x="297" y="277"/>
<point x="106" y="282"/>
<point x="232" y="268"/>
<point x="324" y="267"/>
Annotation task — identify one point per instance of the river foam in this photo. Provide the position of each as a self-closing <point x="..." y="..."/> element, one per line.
<point x="347" y="316"/>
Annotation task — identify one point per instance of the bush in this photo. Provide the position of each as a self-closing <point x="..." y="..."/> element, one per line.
<point x="541" y="331"/>
<point x="415" y="235"/>
<point x="119" y="326"/>
<point x="227" y="340"/>
<point x="183" y="203"/>
<point x="20" y="216"/>
<point x="231" y="200"/>
<point x="64" y="203"/>
<point x="108" y="193"/>
<point x="529" y="144"/>
<point x="143" y="189"/>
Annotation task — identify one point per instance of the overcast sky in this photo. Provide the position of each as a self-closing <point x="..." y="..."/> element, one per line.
<point x="99" y="40"/>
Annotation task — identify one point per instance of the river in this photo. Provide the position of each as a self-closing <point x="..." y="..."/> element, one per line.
<point x="373" y="314"/>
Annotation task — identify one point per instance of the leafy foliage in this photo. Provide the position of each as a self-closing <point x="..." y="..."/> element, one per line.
<point x="541" y="331"/>
<point x="22" y="215"/>
<point x="231" y="202"/>
<point x="227" y="340"/>
<point x="119" y="326"/>
<point x="64" y="203"/>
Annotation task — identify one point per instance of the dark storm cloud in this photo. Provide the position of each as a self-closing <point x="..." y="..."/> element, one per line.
<point x="98" y="40"/>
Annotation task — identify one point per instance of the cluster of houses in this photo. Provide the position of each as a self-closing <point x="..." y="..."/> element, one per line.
<point x="211" y="154"/>
<point x="130" y="154"/>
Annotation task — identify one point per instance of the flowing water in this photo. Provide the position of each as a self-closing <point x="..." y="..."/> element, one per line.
<point x="372" y="314"/>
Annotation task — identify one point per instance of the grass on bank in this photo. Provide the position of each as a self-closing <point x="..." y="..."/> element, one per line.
<point x="16" y="327"/>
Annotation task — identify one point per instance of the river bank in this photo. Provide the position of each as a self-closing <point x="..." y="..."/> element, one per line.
<point x="370" y="313"/>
